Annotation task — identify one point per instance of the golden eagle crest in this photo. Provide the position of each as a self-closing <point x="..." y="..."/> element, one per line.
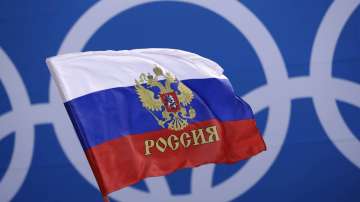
<point x="170" y="107"/>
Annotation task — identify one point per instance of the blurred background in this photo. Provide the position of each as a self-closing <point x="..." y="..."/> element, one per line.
<point x="297" y="63"/>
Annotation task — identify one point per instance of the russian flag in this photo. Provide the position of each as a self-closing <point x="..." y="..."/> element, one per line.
<point x="148" y="112"/>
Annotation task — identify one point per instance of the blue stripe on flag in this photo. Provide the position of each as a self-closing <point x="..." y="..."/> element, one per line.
<point x="108" y="114"/>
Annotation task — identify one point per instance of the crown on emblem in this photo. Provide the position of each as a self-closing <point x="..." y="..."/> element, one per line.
<point x="167" y="100"/>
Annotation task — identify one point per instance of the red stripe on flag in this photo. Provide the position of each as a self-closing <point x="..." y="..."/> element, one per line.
<point x="124" y="161"/>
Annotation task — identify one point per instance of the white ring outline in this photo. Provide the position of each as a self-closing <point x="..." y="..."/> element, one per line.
<point x="272" y="61"/>
<point x="299" y="87"/>
<point x="22" y="154"/>
<point x="322" y="57"/>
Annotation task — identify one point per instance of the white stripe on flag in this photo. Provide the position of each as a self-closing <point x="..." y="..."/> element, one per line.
<point x="78" y="74"/>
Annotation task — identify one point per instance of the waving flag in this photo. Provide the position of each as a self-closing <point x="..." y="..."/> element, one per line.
<point x="149" y="112"/>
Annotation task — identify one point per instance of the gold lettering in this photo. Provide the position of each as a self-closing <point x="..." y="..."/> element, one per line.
<point x="186" y="140"/>
<point x="161" y="144"/>
<point x="148" y="144"/>
<point x="173" y="139"/>
<point x="182" y="140"/>
<point x="196" y="137"/>
<point x="213" y="134"/>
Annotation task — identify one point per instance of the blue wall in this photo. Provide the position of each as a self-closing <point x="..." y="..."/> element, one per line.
<point x="313" y="133"/>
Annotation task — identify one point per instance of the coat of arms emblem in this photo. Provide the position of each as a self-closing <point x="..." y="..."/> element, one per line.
<point x="166" y="98"/>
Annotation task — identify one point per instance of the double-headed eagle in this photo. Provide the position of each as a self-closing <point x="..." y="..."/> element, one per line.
<point x="167" y="100"/>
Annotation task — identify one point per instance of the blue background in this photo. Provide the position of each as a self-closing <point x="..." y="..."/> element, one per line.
<point x="308" y="168"/>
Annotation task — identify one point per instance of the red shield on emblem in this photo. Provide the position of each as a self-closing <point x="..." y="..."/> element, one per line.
<point x="170" y="101"/>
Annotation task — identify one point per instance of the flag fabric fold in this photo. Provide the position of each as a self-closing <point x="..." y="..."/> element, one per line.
<point x="148" y="112"/>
